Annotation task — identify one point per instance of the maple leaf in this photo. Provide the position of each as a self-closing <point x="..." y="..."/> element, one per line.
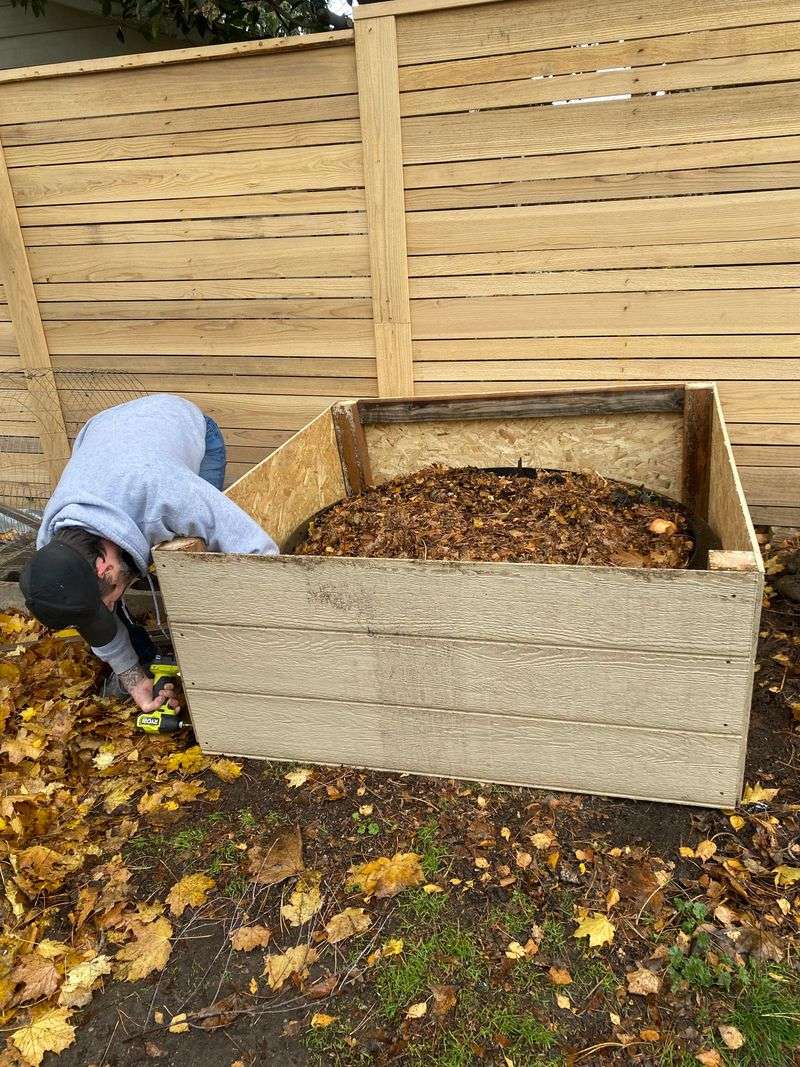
<point x="49" y="1030"/>
<point x="38" y="977"/>
<point x="246" y="938"/>
<point x="189" y="761"/>
<point x="226" y="769"/>
<point x="305" y="900"/>
<point x="190" y="891"/>
<point x="76" y="992"/>
<point x="295" y="960"/>
<point x="39" y="867"/>
<point x="319" y="1020"/>
<point x="278" y="859"/>
<point x="642" y="982"/>
<point x="597" y="928"/>
<point x="148" y="952"/>
<point x="785" y="875"/>
<point x="297" y="778"/>
<point x="347" y="923"/>
<point x="385" y="877"/>
<point x="757" y="794"/>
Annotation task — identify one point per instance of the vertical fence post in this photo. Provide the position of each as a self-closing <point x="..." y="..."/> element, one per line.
<point x="379" y="105"/>
<point x="34" y="354"/>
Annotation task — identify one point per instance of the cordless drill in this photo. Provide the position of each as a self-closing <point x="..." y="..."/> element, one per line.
<point x="164" y="720"/>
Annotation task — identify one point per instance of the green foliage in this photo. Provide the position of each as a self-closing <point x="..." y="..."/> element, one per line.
<point x="691" y="912"/>
<point x="766" y="1010"/>
<point x="365" y="825"/>
<point x="433" y="854"/>
<point x="213" y="21"/>
<point x="418" y="908"/>
<point x="694" y="972"/>
<point x="445" y="954"/>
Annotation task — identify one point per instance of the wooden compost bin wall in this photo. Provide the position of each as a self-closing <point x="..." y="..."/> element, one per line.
<point x="426" y="204"/>
<point x="619" y="681"/>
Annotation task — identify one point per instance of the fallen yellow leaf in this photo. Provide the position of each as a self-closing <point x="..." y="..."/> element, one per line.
<point x="757" y="794"/>
<point x="319" y="1020"/>
<point x="393" y="947"/>
<point x="384" y="877"/>
<point x="785" y="875"/>
<point x="558" y="976"/>
<point x="597" y="928"/>
<point x="148" y="952"/>
<point x="190" y="891"/>
<point x="49" y="1030"/>
<point x="295" y="960"/>
<point x="612" y="898"/>
<point x="710" y="1058"/>
<point x="737" y="822"/>
<point x="649" y="1035"/>
<point x="347" y="923"/>
<point x="246" y="938"/>
<point x="305" y="900"/>
<point x="298" y="777"/>
<point x="543" y="840"/>
<point x="226" y="769"/>
<point x="416" y="1011"/>
<point x="76" y="992"/>
<point x="178" y="1024"/>
<point x="431" y="888"/>
<point x="732" y="1037"/>
<point x="515" y="951"/>
<point x="643" y="982"/>
<point x="563" y="1001"/>
<point x="705" y="850"/>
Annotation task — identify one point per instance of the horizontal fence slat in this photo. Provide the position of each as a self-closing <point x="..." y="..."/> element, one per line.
<point x="515" y="27"/>
<point x="317" y="308"/>
<point x="222" y="173"/>
<point x="680" y="118"/>
<point x="295" y="74"/>
<point x="189" y="260"/>
<point x="638" y="52"/>
<point x="610" y="370"/>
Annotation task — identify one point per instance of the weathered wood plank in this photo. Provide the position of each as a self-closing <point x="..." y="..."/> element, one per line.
<point x="446" y="34"/>
<point x="379" y="102"/>
<point x="525" y="681"/>
<point x="352" y="447"/>
<point x="727" y="509"/>
<point x="632" y="366"/>
<point x="682" y="118"/>
<point x="29" y="333"/>
<point x="636" y="52"/>
<point x="653" y="765"/>
<point x="771" y="486"/>
<point x="587" y="402"/>
<point x="219" y="174"/>
<point x="698" y="402"/>
<point x="584" y="607"/>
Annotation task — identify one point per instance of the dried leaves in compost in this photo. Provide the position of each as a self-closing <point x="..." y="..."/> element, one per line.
<point x="472" y="514"/>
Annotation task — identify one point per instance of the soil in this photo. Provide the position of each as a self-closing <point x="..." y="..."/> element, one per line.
<point x="118" y="1024"/>
<point x="525" y="516"/>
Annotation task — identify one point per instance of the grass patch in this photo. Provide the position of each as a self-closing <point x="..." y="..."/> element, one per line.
<point x="516" y="916"/>
<point x="767" y="1012"/>
<point x="448" y="953"/>
<point x="432" y="852"/>
<point x="421" y="909"/>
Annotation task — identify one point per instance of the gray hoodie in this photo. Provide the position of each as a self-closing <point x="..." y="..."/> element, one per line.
<point x="132" y="478"/>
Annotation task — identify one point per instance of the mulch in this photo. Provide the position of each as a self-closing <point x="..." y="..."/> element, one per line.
<point x="527" y="516"/>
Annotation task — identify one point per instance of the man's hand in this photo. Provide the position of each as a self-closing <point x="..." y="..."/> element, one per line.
<point x="139" y="684"/>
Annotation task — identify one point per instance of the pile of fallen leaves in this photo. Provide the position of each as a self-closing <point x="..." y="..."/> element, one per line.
<point x="473" y="514"/>
<point x="70" y="761"/>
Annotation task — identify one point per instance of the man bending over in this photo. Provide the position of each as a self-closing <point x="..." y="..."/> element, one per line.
<point x="140" y="473"/>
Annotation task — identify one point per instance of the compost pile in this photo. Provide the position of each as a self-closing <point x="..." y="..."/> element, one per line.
<point x="472" y="514"/>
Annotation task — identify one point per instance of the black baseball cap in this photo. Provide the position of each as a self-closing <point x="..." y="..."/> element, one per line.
<point x="61" y="589"/>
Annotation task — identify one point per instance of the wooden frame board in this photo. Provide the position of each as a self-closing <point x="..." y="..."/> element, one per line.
<point x="619" y="681"/>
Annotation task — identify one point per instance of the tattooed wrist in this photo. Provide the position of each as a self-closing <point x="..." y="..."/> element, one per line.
<point x="131" y="678"/>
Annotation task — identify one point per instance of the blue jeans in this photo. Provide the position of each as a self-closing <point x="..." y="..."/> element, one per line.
<point x="212" y="469"/>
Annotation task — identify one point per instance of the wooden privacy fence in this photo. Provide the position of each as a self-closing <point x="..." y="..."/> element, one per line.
<point x="454" y="197"/>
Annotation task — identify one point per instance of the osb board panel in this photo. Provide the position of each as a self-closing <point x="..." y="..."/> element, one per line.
<point x="566" y="685"/>
<point x="641" y="448"/>
<point x="697" y="612"/>
<point x="297" y="480"/>
<point x="667" y="765"/>
<point x="727" y="510"/>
